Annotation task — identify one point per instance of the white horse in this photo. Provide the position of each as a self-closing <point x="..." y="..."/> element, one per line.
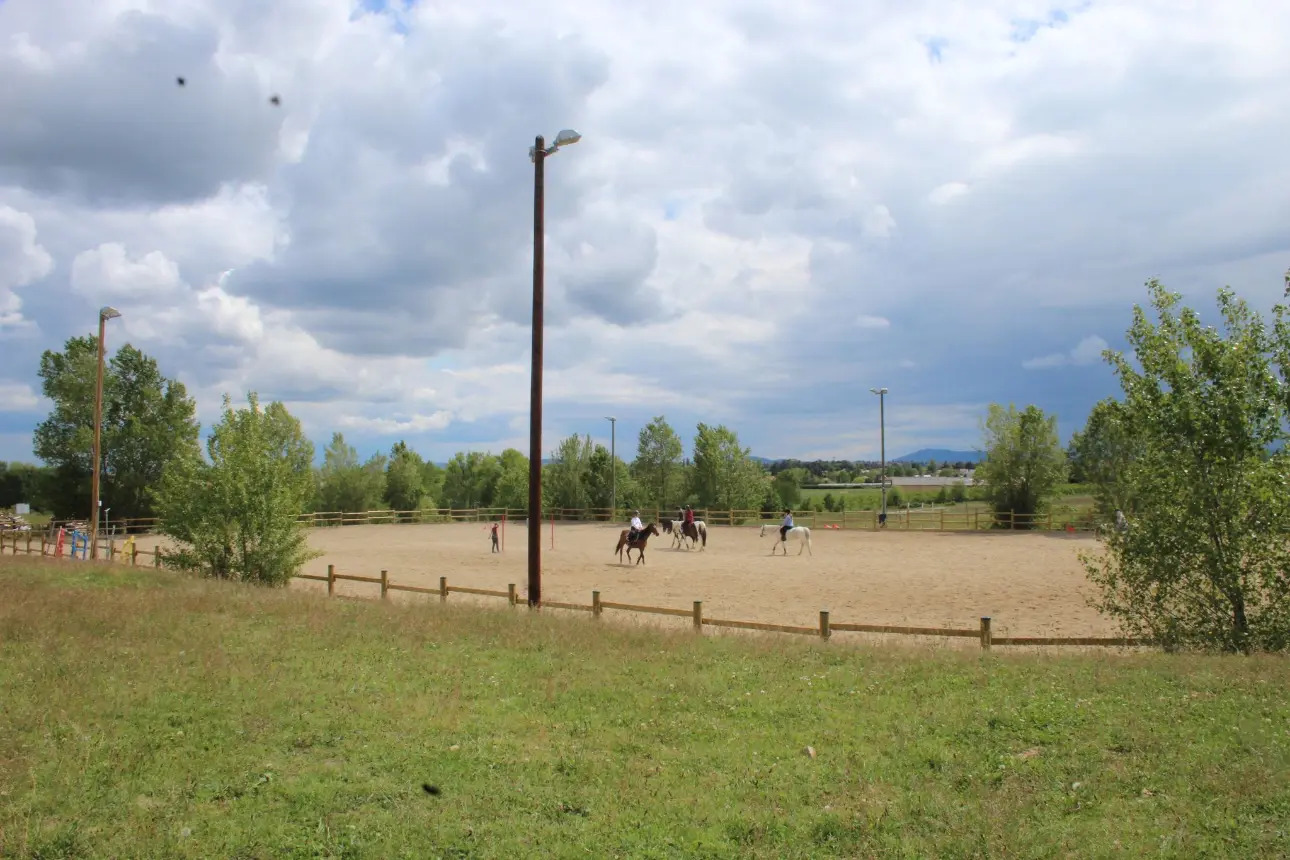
<point x="680" y="538"/>
<point x="799" y="533"/>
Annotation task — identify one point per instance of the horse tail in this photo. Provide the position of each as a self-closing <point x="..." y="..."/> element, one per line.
<point x="704" y="534"/>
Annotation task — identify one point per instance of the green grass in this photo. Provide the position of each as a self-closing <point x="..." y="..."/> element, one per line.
<point x="179" y="718"/>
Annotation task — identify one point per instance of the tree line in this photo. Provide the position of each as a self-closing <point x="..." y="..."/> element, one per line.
<point x="1194" y="456"/>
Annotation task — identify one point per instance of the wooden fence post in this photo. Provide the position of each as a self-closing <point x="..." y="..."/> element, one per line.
<point x="112" y="550"/>
<point x="134" y="555"/>
<point x="596" y="608"/>
<point x="28" y="543"/>
<point x="510" y="593"/>
<point x="824" y="625"/>
<point x="985" y="632"/>
<point x="443" y="589"/>
<point x="385" y="585"/>
<point x="942" y="519"/>
<point x="698" y="616"/>
<point x="42" y="545"/>
<point x="331" y="579"/>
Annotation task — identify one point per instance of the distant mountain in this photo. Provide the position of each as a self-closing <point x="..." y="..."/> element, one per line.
<point x="940" y="455"/>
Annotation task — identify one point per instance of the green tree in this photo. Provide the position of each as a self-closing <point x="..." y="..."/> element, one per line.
<point x="1101" y="454"/>
<point x="788" y="490"/>
<point x="570" y="474"/>
<point x="470" y="480"/>
<point x="512" y="488"/>
<point x="1024" y="461"/>
<point x="601" y="476"/>
<point x="404" y="479"/>
<point x="1203" y="560"/>
<point x="148" y="422"/>
<point x="658" y="466"/>
<point x="22" y="483"/>
<point x="725" y="475"/>
<point x="345" y="484"/>
<point x="237" y="516"/>
<point x="432" y="478"/>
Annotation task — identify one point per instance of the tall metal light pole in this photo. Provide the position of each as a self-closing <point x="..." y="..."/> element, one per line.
<point x="613" y="467"/>
<point x="882" y="436"/>
<point x="105" y="313"/>
<point x="537" y="154"/>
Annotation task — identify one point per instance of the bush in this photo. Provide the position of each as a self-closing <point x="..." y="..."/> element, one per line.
<point x="236" y="516"/>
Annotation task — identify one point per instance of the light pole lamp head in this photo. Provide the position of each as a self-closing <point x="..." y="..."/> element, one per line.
<point x="878" y="390"/>
<point x="611" y="419"/>
<point x="108" y="313"/>
<point x="566" y="137"/>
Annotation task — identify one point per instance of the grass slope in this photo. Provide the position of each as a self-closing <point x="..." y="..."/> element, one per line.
<point x="150" y="715"/>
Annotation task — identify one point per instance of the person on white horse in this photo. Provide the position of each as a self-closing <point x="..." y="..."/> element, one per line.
<point x="788" y="524"/>
<point x="636" y="527"/>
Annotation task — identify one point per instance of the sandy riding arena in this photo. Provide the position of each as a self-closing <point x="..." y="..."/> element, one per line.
<point x="1030" y="584"/>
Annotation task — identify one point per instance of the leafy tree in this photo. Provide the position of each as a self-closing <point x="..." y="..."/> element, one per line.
<point x="22" y="483"/>
<point x="512" y="488"/>
<point x="347" y="485"/>
<point x="658" y="463"/>
<point x="1203" y="561"/>
<point x="569" y="485"/>
<point x="1024" y="461"/>
<point x="1101" y="454"/>
<point x="470" y="480"/>
<point x="725" y="475"/>
<point x="600" y="481"/>
<point x="404" y="479"/>
<point x="236" y="516"/>
<point x="788" y="491"/>
<point x="148" y="422"/>
<point x="432" y="478"/>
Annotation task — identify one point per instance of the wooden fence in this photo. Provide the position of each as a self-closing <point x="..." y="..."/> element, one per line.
<point x="943" y="519"/>
<point x="825" y="628"/>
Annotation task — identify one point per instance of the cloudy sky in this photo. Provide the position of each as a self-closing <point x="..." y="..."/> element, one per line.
<point x="774" y="206"/>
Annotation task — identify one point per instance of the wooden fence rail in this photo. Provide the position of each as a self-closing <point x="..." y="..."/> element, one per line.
<point x="597" y="606"/>
<point x="901" y="519"/>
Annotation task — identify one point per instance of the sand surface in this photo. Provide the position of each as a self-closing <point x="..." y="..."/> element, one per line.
<point x="1030" y="584"/>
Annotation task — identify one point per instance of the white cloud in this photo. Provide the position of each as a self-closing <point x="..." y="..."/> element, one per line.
<point x="1087" y="351"/>
<point x="756" y="184"/>
<point x="107" y="272"/>
<point x="22" y="261"/>
<point x="17" y="397"/>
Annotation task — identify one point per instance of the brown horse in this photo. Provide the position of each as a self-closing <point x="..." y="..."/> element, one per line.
<point x="638" y="544"/>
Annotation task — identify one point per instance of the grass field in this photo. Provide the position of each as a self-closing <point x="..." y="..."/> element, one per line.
<point x="146" y="714"/>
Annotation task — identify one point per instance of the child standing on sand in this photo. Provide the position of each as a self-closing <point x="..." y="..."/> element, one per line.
<point x="493" y="533"/>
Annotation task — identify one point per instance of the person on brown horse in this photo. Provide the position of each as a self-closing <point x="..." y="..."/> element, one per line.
<point x="635" y="542"/>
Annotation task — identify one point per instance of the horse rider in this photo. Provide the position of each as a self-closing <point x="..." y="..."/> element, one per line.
<point x="689" y="527"/>
<point x="636" y="527"/>
<point x="787" y="524"/>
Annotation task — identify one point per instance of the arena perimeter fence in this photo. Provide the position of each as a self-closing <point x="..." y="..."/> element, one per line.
<point x="128" y="553"/>
<point x="902" y="519"/>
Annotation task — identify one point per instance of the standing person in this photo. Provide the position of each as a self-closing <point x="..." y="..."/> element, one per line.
<point x="788" y="524"/>
<point x="493" y="532"/>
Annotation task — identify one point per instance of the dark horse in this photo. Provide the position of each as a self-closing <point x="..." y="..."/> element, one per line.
<point x="638" y="544"/>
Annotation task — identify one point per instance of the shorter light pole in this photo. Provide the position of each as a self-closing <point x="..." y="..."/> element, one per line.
<point x="105" y="313"/>
<point x="882" y="437"/>
<point x="613" y="468"/>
